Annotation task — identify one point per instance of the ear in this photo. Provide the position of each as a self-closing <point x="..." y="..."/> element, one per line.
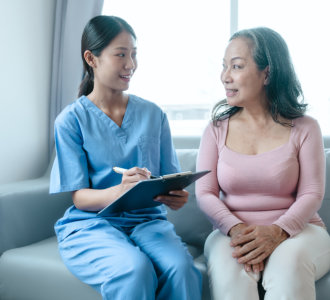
<point x="266" y="71"/>
<point x="90" y="58"/>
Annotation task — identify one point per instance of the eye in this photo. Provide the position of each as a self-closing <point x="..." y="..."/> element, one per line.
<point x="237" y="67"/>
<point x="121" y="54"/>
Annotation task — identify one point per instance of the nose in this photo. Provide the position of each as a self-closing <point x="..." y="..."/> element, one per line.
<point x="130" y="63"/>
<point x="226" y="76"/>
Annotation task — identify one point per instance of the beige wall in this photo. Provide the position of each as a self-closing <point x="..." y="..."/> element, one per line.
<point x="26" y="31"/>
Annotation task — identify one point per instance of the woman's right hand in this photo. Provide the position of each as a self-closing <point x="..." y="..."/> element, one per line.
<point x="132" y="176"/>
<point x="236" y="231"/>
<point x="96" y="199"/>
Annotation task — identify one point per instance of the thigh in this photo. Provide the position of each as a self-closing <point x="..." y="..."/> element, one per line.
<point x="218" y="253"/>
<point x="311" y="248"/>
<point x="217" y="243"/>
<point x="161" y="244"/>
<point x="225" y="273"/>
<point x="99" y="252"/>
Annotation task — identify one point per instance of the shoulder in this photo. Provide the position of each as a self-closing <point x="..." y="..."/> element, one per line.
<point x="70" y="115"/>
<point x="147" y="111"/>
<point x="218" y="128"/>
<point x="216" y="131"/>
<point x="145" y="105"/>
<point x="306" y="128"/>
<point x="305" y="124"/>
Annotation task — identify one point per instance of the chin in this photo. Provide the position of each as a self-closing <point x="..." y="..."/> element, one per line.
<point x="123" y="88"/>
<point x="232" y="102"/>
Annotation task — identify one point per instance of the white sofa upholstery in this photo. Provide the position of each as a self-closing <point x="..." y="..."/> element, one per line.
<point x="30" y="265"/>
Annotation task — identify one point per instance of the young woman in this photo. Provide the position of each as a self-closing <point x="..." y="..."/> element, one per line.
<point x="267" y="180"/>
<point x="127" y="255"/>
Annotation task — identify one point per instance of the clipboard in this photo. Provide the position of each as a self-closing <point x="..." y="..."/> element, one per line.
<point x="142" y="194"/>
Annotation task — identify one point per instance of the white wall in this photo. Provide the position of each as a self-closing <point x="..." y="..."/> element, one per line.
<point x="26" y="37"/>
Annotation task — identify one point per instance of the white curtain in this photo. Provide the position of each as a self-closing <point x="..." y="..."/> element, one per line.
<point x="70" y="20"/>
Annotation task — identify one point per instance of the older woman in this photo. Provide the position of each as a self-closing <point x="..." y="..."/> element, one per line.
<point x="267" y="177"/>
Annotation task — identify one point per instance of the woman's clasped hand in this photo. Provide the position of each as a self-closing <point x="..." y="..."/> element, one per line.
<point x="254" y="243"/>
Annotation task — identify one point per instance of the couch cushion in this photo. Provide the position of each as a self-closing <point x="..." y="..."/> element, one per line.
<point x="190" y="223"/>
<point x="39" y="273"/>
<point x="325" y="209"/>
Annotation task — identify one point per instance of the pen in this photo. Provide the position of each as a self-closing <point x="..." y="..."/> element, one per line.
<point x="122" y="170"/>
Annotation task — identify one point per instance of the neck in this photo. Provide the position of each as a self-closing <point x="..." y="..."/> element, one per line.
<point x="256" y="114"/>
<point x="108" y="100"/>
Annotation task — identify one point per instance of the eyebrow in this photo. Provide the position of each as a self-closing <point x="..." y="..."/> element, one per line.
<point x="234" y="58"/>
<point x="237" y="57"/>
<point x="124" y="48"/>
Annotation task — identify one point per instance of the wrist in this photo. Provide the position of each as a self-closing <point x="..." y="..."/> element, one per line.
<point x="235" y="229"/>
<point x="283" y="235"/>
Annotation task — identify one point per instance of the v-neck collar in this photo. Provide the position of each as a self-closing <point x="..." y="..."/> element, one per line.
<point x="127" y="119"/>
<point x="120" y="131"/>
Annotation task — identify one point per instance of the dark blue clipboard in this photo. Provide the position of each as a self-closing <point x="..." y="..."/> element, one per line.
<point x="143" y="193"/>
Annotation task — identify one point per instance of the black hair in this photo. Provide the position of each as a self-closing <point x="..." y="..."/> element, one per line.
<point x="284" y="92"/>
<point x="97" y="35"/>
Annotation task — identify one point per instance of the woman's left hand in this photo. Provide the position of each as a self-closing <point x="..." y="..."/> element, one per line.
<point x="175" y="199"/>
<point x="256" y="243"/>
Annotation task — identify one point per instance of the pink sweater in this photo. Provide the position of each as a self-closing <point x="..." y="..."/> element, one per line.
<point x="284" y="186"/>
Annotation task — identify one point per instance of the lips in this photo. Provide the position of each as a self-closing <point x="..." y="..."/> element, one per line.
<point x="231" y="92"/>
<point x="126" y="78"/>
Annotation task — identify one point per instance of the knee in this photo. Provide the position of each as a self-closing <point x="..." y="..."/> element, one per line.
<point x="134" y="279"/>
<point x="139" y="268"/>
<point x="179" y="269"/>
<point x="180" y="265"/>
<point x="133" y="275"/>
<point x="217" y="243"/>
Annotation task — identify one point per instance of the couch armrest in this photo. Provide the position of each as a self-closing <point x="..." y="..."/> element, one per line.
<point x="28" y="212"/>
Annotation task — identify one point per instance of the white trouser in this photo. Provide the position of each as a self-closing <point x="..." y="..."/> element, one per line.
<point x="290" y="272"/>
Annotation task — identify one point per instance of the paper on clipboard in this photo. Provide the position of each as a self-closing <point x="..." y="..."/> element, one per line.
<point x="143" y="193"/>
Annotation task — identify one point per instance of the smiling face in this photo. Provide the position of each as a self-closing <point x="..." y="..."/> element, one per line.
<point x="116" y="64"/>
<point x="243" y="82"/>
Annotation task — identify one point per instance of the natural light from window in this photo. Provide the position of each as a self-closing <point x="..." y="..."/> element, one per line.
<point x="179" y="56"/>
<point x="305" y="26"/>
<point x="181" y="45"/>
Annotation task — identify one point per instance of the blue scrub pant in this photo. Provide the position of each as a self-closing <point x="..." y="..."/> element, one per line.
<point x="147" y="261"/>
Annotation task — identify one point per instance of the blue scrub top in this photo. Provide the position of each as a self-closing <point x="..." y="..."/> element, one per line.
<point x="88" y="144"/>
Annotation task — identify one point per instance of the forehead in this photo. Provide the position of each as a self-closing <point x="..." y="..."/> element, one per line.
<point x="123" y="40"/>
<point x="239" y="48"/>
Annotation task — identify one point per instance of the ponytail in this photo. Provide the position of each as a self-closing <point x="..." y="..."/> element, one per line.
<point x="86" y="85"/>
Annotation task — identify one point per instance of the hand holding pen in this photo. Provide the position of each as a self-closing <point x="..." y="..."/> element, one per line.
<point x="175" y="199"/>
<point x="122" y="171"/>
<point x="131" y="176"/>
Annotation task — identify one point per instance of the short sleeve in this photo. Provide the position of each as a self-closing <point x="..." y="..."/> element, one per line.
<point x="168" y="159"/>
<point x="70" y="170"/>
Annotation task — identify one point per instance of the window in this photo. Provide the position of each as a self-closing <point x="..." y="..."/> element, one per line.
<point x="181" y="45"/>
<point x="305" y="27"/>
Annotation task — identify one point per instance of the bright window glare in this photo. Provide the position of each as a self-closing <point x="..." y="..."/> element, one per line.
<point x="181" y="45"/>
<point x="305" y="27"/>
<point x="180" y="49"/>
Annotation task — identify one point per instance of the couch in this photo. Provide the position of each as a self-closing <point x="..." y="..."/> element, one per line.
<point x="30" y="265"/>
